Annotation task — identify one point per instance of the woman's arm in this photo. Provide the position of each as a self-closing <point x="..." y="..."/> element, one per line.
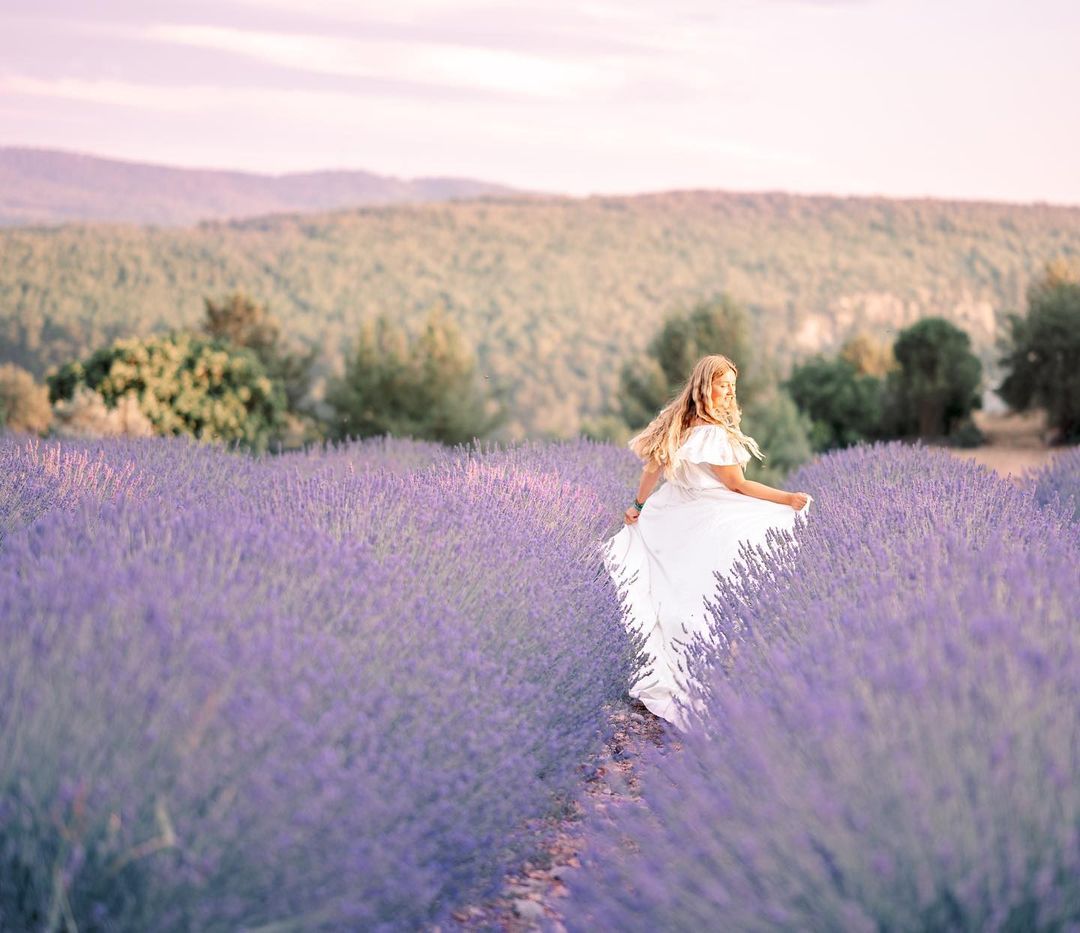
<point x="649" y="475"/>
<point x="732" y="477"/>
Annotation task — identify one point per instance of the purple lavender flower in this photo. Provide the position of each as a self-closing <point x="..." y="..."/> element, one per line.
<point x="893" y="729"/>
<point x="327" y="691"/>
<point x="1058" y="483"/>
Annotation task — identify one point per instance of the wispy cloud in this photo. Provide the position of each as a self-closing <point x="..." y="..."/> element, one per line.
<point x="885" y="96"/>
<point x="201" y="98"/>
<point x="487" y="139"/>
<point x="404" y="11"/>
<point x="176" y="99"/>
<point x="291" y="108"/>
<point x="417" y="61"/>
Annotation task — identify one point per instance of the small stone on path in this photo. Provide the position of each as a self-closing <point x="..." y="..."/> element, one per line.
<point x="528" y="910"/>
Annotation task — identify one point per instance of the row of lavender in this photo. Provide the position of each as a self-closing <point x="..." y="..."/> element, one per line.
<point x="319" y="691"/>
<point x="892" y="738"/>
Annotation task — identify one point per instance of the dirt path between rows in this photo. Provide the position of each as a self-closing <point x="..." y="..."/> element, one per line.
<point x="530" y="900"/>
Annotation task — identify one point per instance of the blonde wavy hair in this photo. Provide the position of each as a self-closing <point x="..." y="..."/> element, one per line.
<point x="660" y="441"/>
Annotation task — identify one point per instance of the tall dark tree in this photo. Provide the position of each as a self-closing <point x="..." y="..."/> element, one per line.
<point x="1042" y="355"/>
<point x="936" y="385"/>
<point x="424" y="386"/>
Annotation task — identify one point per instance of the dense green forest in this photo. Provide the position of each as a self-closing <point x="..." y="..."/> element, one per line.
<point x="555" y="294"/>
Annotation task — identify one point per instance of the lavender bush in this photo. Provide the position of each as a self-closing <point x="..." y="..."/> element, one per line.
<point x="36" y="478"/>
<point x="1058" y="483"/>
<point x="892" y="738"/>
<point x="398" y="455"/>
<point x="289" y="694"/>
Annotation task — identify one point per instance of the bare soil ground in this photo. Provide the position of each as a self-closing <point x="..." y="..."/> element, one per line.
<point x="1015" y="443"/>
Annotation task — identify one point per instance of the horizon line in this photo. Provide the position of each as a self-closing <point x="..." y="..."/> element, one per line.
<point x="518" y="191"/>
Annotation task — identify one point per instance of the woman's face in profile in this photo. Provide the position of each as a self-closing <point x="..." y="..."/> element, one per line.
<point x="723" y="389"/>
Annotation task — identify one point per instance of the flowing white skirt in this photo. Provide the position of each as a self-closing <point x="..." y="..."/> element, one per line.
<point x="667" y="560"/>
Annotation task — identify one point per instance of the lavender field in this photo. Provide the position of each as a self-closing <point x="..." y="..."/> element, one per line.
<point x="892" y="738"/>
<point x="311" y="692"/>
<point x="336" y="689"/>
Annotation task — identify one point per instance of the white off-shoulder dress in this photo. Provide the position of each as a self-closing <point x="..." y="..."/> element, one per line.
<point x="691" y="527"/>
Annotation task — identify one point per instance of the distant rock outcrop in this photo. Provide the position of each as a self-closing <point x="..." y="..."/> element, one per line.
<point x="46" y="187"/>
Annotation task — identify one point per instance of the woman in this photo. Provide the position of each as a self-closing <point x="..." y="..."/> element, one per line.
<point x="675" y="539"/>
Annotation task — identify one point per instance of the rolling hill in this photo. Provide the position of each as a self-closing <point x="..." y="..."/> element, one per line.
<point x="555" y="293"/>
<point x="45" y="187"/>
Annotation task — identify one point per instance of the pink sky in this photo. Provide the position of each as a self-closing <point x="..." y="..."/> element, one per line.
<point x="949" y="98"/>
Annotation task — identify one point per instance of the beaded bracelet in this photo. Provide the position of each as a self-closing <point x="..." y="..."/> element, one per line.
<point x="639" y="505"/>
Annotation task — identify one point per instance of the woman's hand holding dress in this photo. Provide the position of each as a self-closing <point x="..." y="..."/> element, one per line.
<point x="799" y="500"/>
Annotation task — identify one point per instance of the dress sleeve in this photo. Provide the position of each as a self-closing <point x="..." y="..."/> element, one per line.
<point x="710" y="444"/>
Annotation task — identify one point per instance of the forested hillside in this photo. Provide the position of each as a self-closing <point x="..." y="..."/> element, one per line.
<point x="555" y="293"/>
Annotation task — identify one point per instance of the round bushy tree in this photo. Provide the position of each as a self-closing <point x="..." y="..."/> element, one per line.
<point x="844" y="405"/>
<point x="424" y="387"/>
<point x="1043" y="355"/>
<point x="24" y="405"/>
<point x="936" y="386"/>
<point x="184" y="384"/>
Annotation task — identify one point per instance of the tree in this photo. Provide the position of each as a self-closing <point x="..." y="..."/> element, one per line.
<point x="936" y="386"/>
<point x="871" y="356"/>
<point x="85" y="414"/>
<point x="24" y="405"/>
<point x="643" y="390"/>
<point x="718" y="326"/>
<point x="423" y="387"/>
<point x="243" y="322"/>
<point x="844" y="406"/>
<point x="782" y="433"/>
<point x="240" y="320"/>
<point x="1042" y="355"/>
<point x="184" y="384"/>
